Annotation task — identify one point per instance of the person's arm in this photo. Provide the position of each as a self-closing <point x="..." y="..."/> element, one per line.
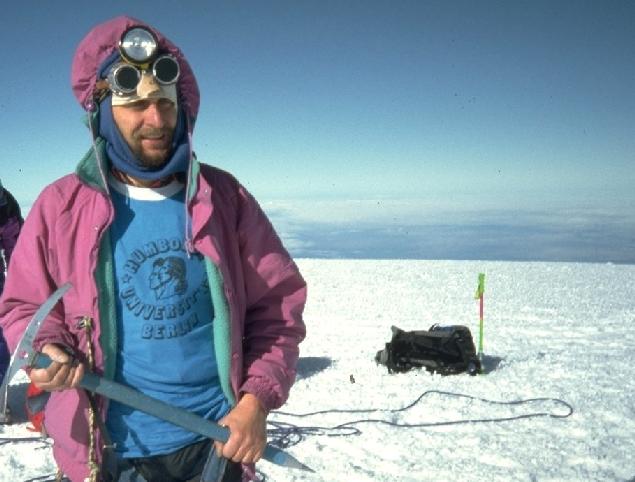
<point x="9" y="236"/>
<point x="12" y="223"/>
<point x="29" y="283"/>
<point x="276" y="294"/>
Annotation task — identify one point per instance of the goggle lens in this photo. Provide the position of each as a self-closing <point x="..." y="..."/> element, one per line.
<point x="125" y="78"/>
<point x="166" y="69"/>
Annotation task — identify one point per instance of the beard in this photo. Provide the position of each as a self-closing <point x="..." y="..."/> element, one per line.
<point x="152" y="146"/>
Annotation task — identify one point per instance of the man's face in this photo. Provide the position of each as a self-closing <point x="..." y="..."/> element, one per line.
<point x="159" y="276"/>
<point x="148" y="127"/>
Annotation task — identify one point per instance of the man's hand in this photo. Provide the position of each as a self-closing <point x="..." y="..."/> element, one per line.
<point x="247" y="423"/>
<point x="62" y="374"/>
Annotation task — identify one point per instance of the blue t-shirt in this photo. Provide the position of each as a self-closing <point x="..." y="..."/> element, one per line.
<point x="164" y="320"/>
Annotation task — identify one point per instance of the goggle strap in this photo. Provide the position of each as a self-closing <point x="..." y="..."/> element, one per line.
<point x="102" y="87"/>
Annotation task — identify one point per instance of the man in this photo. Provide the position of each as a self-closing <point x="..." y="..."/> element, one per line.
<point x="10" y="224"/>
<point x="181" y="287"/>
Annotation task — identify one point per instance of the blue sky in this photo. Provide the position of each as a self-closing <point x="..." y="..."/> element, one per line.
<point x="424" y="129"/>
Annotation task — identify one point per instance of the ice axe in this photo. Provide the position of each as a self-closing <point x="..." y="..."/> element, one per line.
<point x="140" y="401"/>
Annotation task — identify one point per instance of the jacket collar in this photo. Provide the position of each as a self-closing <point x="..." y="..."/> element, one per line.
<point x="89" y="170"/>
<point x="193" y="176"/>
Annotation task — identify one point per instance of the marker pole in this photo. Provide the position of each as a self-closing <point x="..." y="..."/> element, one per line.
<point x="479" y="295"/>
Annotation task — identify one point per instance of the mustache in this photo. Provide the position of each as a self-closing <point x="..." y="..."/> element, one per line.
<point x="152" y="132"/>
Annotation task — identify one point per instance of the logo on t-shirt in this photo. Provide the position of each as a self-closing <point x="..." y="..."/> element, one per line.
<point x="165" y="289"/>
<point x="168" y="277"/>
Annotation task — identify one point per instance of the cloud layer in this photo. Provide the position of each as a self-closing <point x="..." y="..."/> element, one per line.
<point x="405" y="229"/>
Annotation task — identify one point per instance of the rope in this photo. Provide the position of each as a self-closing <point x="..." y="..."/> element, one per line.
<point x="285" y="435"/>
<point x="93" y="466"/>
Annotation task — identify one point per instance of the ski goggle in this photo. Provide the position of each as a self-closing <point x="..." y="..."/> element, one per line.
<point x="124" y="78"/>
<point x="138" y="48"/>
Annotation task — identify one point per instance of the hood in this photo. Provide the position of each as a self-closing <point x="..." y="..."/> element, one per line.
<point x="102" y="41"/>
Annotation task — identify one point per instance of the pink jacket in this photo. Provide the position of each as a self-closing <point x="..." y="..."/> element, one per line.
<point x="257" y="290"/>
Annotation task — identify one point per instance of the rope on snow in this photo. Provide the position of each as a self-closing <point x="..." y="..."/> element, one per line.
<point x="285" y="435"/>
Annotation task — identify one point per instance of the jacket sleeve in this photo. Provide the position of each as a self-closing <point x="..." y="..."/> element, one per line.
<point x="31" y="279"/>
<point x="276" y="295"/>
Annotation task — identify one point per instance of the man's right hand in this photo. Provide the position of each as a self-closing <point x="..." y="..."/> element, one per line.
<point x="64" y="373"/>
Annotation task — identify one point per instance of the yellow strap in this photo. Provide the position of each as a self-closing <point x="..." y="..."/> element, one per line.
<point x="93" y="466"/>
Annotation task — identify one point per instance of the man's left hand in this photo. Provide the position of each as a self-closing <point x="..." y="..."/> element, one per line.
<point x="247" y="423"/>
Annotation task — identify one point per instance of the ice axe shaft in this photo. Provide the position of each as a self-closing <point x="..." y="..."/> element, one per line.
<point x="188" y="420"/>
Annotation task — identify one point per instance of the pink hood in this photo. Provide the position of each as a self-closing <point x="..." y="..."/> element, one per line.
<point x="102" y="41"/>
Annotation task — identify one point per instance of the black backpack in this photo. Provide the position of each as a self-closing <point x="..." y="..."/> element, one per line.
<point x="446" y="350"/>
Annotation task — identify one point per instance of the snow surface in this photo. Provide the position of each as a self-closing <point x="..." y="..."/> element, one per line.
<point x="552" y="330"/>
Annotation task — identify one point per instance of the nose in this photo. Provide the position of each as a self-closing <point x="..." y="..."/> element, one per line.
<point x="148" y="88"/>
<point x="154" y="115"/>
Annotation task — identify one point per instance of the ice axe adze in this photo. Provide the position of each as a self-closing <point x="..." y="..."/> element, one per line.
<point x="21" y="355"/>
<point x="188" y="420"/>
